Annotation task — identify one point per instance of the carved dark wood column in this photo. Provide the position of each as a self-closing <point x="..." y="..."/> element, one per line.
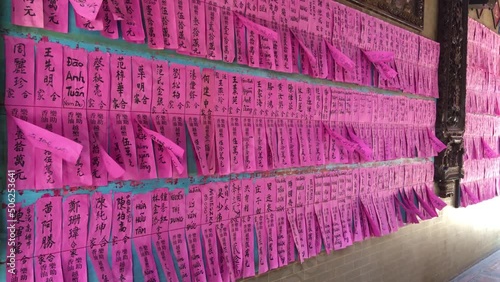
<point x="450" y="124"/>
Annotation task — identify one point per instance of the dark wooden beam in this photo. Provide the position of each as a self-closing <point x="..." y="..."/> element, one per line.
<point x="450" y="115"/>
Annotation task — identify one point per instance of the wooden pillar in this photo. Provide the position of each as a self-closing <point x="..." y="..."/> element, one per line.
<point x="450" y="116"/>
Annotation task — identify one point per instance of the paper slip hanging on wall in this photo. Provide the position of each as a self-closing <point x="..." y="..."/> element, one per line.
<point x="123" y="148"/>
<point x="222" y="216"/>
<point x="221" y="109"/>
<point x="209" y="234"/>
<point x="132" y="29"/>
<point x="247" y="112"/>
<point x="247" y="219"/>
<point x="121" y="231"/>
<point x="160" y="200"/>
<point x="49" y="170"/>
<point x="177" y="232"/>
<point x="110" y="25"/>
<point x="96" y="24"/>
<point x="74" y="236"/>
<point x="260" y="225"/>
<point x="101" y="211"/>
<point x="23" y="248"/>
<point x="236" y="226"/>
<point x="98" y="103"/>
<point x="271" y="223"/>
<point x="141" y="105"/>
<point x="141" y="232"/>
<point x="151" y="12"/>
<point x="28" y="14"/>
<point x="55" y="15"/>
<point x="19" y="99"/>
<point x="193" y="233"/>
<point x="48" y="226"/>
<point x="261" y="146"/>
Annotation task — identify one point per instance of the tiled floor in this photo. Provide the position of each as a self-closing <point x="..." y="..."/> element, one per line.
<point x="487" y="270"/>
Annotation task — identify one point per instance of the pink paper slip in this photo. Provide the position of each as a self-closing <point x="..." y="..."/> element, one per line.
<point x="207" y="109"/>
<point x="247" y="218"/>
<point x="241" y="46"/>
<point x="348" y="238"/>
<point x="152" y="15"/>
<point x="98" y="97"/>
<point x="326" y="196"/>
<point x="222" y="139"/>
<point x="101" y="207"/>
<point x="228" y="33"/>
<point x="110" y="25"/>
<point x="20" y="70"/>
<point x="318" y="211"/>
<point x="98" y="102"/>
<point x="177" y="232"/>
<point x="74" y="254"/>
<point x="121" y="82"/>
<point x="48" y="226"/>
<point x="248" y="108"/>
<point x="252" y="37"/>
<point x="123" y="144"/>
<point x="435" y="200"/>
<point x="271" y="115"/>
<point x="20" y="146"/>
<point x="87" y="8"/>
<point x="160" y="200"/>
<point x="337" y="240"/>
<point x="101" y="162"/>
<point x="178" y="134"/>
<point x="142" y="84"/>
<point x="43" y="139"/>
<point x="19" y="264"/>
<point x="184" y="31"/>
<point x="161" y="87"/>
<point x="208" y="230"/>
<point x="281" y="223"/>
<point x="356" y="183"/>
<point x="131" y="26"/>
<point x="118" y="10"/>
<point x="425" y="205"/>
<point x="184" y="87"/>
<point x="28" y="14"/>
<point x="310" y="217"/>
<point x="75" y="128"/>
<point x="435" y="142"/>
<point x="198" y="26"/>
<point x="91" y="25"/>
<point x="174" y="151"/>
<point x="271" y="223"/>
<point x="193" y="232"/>
<point x="121" y="248"/>
<point x="49" y="91"/>
<point x="141" y="232"/>
<point x="213" y="30"/>
<point x="195" y="129"/>
<point x="261" y="157"/>
<point x="55" y="15"/>
<point x="169" y="25"/>
<point x="222" y="215"/>
<point x="300" y="216"/>
<point x="145" y="157"/>
<point x="162" y="154"/>
<point x="75" y="78"/>
<point x="236" y="227"/>
<point x="260" y="224"/>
